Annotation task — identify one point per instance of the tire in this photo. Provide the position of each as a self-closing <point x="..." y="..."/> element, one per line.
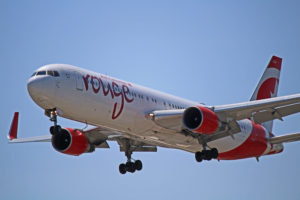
<point x="57" y="129"/>
<point x="199" y="156"/>
<point x="130" y="167"/>
<point x="122" y="168"/>
<point x="214" y="153"/>
<point x="52" y="130"/>
<point x="138" y="165"/>
<point x="207" y="154"/>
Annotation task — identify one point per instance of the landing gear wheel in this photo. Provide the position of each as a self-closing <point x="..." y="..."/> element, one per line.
<point x="130" y="167"/>
<point x="207" y="154"/>
<point x="138" y="165"/>
<point x="122" y="168"/>
<point x="214" y="153"/>
<point x="55" y="130"/>
<point x="199" y="156"/>
<point x="52" y="113"/>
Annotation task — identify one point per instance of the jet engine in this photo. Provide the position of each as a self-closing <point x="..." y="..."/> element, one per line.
<point x="200" y="120"/>
<point x="72" y="142"/>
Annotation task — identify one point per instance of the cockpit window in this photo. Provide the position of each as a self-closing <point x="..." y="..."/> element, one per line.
<point x="48" y="72"/>
<point x="33" y="74"/>
<point x="41" y="73"/>
<point x="56" y="73"/>
<point x="52" y="73"/>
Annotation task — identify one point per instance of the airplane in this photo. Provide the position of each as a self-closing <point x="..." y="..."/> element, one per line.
<point x="140" y="119"/>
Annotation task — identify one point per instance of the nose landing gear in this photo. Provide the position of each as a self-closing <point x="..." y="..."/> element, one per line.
<point x="52" y="114"/>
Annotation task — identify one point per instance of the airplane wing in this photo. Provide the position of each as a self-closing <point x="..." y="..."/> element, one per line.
<point x="97" y="136"/>
<point x="44" y="138"/>
<point x="259" y="110"/>
<point x="12" y="136"/>
<point x="285" y="138"/>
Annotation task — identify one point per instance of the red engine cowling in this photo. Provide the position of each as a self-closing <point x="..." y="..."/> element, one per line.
<point x="71" y="142"/>
<point x="201" y="120"/>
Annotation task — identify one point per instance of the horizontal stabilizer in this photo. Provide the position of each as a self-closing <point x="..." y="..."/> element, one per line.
<point x="285" y="138"/>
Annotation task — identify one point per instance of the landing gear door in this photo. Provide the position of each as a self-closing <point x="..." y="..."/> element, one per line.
<point x="79" y="83"/>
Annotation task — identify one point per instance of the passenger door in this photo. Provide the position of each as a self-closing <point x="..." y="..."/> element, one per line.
<point x="78" y="80"/>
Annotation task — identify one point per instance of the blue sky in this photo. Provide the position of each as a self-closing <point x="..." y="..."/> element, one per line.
<point x="207" y="51"/>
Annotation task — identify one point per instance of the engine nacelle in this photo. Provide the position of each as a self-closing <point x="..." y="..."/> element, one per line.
<point x="71" y="142"/>
<point x="201" y="120"/>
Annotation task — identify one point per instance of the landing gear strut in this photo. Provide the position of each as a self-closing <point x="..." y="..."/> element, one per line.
<point x="131" y="165"/>
<point x="56" y="129"/>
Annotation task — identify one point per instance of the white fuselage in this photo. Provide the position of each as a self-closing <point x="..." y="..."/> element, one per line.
<point x="99" y="100"/>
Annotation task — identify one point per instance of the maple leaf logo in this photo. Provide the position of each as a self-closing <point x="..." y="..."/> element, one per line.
<point x="268" y="89"/>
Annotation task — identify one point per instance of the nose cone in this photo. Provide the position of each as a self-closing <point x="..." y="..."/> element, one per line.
<point x="41" y="91"/>
<point x="34" y="87"/>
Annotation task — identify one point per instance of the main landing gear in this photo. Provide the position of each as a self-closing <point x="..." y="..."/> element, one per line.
<point x="206" y="154"/>
<point x="56" y="129"/>
<point x="131" y="165"/>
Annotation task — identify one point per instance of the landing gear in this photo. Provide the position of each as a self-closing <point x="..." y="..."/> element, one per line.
<point x="56" y="129"/>
<point x="131" y="165"/>
<point x="206" y="154"/>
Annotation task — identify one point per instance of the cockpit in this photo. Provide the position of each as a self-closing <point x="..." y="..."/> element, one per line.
<point x="48" y="72"/>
